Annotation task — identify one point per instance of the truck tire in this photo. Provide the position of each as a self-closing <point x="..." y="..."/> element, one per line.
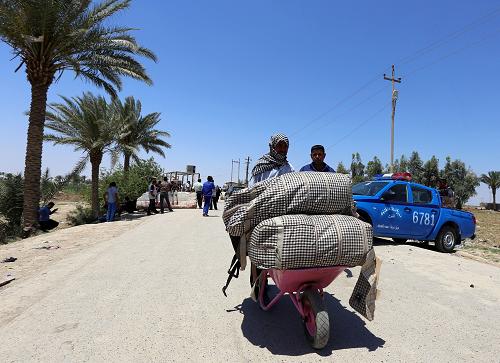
<point x="447" y="239"/>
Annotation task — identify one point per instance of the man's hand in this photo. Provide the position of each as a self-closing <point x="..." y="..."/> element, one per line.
<point x="53" y="211"/>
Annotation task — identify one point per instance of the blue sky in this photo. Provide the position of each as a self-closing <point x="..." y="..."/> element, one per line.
<point x="231" y="73"/>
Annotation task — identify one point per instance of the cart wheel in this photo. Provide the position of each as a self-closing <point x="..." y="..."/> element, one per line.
<point x="316" y="320"/>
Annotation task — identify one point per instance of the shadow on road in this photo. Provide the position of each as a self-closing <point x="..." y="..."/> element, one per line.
<point x="423" y="245"/>
<point x="280" y="330"/>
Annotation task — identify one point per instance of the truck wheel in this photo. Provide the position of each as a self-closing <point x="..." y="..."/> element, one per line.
<point x="446" y="239"/>
<point x="400" y="240"/>
<point x="316" y="319"/>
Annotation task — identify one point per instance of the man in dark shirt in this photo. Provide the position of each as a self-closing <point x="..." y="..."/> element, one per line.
<point x="318" y="164"/>
<point x="44" y="220"/>
<point x="152" y="197"/>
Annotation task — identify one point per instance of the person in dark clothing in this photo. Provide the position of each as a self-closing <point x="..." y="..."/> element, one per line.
<point x="208" y="187"/>
<point x="197" y="186"/>
<point x="318" y="160"/>
<point x="44" y="220"/>
<point x="127" y="206"/>
<point x="152" y="197"/>
<point x="165" y="187"/>
<point x="215" y="197"/>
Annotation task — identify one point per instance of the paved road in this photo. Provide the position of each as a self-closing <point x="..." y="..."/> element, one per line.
<point x="153" y="295"/>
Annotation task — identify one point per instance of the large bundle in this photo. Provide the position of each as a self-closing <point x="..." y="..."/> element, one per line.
<point x="302" y="241"/>
<point x="292" y="193"/>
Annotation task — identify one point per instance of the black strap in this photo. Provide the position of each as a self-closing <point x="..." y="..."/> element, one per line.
<point x="234" y="271"/>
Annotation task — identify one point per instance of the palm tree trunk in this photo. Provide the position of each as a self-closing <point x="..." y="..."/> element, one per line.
<point x="95" y="161"/>
<point x="126" y="163"/>
<point x="33" y="160"/>
<point x="494" y="191"/>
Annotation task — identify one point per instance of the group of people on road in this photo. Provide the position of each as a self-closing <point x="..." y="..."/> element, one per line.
<point x="164" y="188"/>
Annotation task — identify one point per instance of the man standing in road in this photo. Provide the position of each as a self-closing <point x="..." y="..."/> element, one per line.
<point x="207" y="189"/>
<point x="152" y="197"/>
<point x="318" y="161"/>
<point x="197" y="186"/>
<point x="164" y="189"/>
<point x="111" y="198"/>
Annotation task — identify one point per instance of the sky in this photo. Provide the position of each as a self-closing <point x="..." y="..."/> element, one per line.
<point x="232" y="73"/>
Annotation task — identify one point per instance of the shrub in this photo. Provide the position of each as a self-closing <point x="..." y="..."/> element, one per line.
<point x="81" y="215"/>
<point x="135" y="182"/>
<point x="11" y="205"/>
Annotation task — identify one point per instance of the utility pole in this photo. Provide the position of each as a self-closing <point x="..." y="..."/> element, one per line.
<point x="394" y="99"/>
<point x="248" y="165"/>
<point x="232" y="163"/>
<point x="239" y="162"/>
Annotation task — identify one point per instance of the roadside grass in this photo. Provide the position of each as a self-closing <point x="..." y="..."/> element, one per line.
<point x="487" y="241"/>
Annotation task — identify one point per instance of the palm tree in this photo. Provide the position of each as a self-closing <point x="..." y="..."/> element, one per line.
<point x="85" y="123"/>
<point x="492" y="179"/>
<point x="53" y="36"/>
<point x="137" y="131"/>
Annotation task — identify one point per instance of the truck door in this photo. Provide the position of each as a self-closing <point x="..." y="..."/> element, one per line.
<point x="425" y="212"/>
<point x="394" y="217"/>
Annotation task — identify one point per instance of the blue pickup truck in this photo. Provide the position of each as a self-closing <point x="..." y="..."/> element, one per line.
<point x="403" y="210"/>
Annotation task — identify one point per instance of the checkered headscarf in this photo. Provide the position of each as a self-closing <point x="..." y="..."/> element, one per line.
<point x="271" y="160"/>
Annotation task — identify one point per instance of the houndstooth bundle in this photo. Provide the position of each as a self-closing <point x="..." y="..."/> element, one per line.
<point x="291" y="193"/>
<point x="302" y="241"/>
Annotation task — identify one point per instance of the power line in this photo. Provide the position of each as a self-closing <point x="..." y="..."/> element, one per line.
<point x="364" y="122"/>
<point x="337" y="118"/>
<point x="446" y="39"/>
<point x="408" y="59"/>
<point x="360" y="125"/>
<point x="342" y="101"/>
<point x="470" y="45"/>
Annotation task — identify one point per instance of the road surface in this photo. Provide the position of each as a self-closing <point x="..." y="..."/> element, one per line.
<point x="153" y="294"/>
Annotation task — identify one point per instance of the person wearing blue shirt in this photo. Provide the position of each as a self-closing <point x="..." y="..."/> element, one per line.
<point x="207" y="189"/>
<point x="318" y="161"/>
<point x="44" y="220"/>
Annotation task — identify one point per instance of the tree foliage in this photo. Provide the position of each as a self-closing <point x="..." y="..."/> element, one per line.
<point x="492" y="180"/>
<point x="341" y="168"/>
<point x="136" y="131"/>
<point x="357" y="169"/>
<point x="415" y="167"/>
<point x="430" y="174"/>
<point x="135" y="182"/>
<point x="374" y="167"/>
<point x="11" y="205"/>
<point x="84" y="122"/>
<point x="461" y="179"/>
<point x="50" y="37"/>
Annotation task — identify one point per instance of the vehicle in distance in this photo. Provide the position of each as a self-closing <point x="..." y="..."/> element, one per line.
<point x="403" y="210"/>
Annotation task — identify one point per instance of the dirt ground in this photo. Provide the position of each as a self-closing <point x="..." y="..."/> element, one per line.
<point x="35" y="253"/>
<point x="486" y="245"/>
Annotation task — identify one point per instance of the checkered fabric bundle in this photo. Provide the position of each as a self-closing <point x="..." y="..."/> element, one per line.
<point x="291" y="193"/>
<point x="302" y="241"/>
<point x="246" y="195"/>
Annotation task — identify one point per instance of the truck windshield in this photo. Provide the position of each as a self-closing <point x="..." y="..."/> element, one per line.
<point x="369" y="188"/>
